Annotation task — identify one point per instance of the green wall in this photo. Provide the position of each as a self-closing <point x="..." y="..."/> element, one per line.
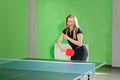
<point x="95" y="19"/>
<point x="13" y="28"/>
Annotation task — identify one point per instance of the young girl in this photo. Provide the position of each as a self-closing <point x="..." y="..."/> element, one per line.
<point x="73" y="34"/>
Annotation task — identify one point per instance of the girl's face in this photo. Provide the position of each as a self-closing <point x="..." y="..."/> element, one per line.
<point x="70" y="22"/>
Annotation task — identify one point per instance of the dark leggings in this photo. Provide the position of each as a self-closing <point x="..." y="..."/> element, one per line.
<point x="81" y="53"/>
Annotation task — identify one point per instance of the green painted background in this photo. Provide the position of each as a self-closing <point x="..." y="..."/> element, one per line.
<point x="13" y="28"/>
<point x="95" y="19"/>
<point x="94" y="16"/>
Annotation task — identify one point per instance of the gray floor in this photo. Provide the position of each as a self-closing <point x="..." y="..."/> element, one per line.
<point x="107" y="73"/>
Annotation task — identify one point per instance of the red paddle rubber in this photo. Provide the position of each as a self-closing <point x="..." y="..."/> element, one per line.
<point x="69" y="52"/>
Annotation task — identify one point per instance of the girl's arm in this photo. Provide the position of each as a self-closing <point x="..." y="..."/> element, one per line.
<point x="78" y="42"/>
<point x="60" y="43"/>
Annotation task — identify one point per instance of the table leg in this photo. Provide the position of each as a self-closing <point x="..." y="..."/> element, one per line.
<point x="88" y="77"/>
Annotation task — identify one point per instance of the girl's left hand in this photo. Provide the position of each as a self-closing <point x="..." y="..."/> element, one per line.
<point x="65" y="36"/>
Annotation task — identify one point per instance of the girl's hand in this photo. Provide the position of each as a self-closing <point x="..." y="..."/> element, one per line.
<point x="65" y="36"/>
<point x="63" y="50"/>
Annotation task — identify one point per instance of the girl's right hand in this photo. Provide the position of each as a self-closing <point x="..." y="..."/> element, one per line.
<point x="63" y="50"/>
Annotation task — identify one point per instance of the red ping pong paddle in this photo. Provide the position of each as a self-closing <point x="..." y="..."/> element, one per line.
<point x="69" y="52"/>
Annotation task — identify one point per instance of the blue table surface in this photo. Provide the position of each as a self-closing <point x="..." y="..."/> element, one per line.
<point x="31" y="70"/>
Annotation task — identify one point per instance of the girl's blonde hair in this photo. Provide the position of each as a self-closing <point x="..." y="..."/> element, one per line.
<point x="75" y="27"/>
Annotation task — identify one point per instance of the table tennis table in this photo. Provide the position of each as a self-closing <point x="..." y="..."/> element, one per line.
<point x="17" y="69"/>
